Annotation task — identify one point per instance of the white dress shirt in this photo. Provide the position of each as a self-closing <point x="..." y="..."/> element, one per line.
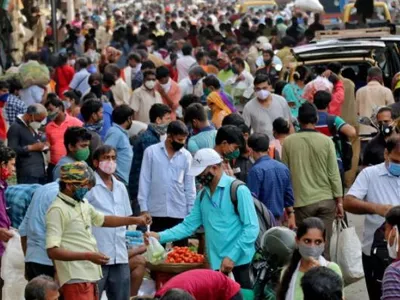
<point x="183" y="66"/>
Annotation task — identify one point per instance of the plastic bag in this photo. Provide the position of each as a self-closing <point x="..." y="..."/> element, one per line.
<point x="346" y="251"/>
<point x="13" y="270"/>
<point x="309" y="5"/>
<point x="155" y="253"/>
<point x="148" y="288"/>
<point x="318" y="84"/>
<point x="33" y="73"/>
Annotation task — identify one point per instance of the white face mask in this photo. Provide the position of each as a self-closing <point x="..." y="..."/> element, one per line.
<point x="393" y="249"/>
<point x="35" y="125"/>
<point x="166" y="86"/>
<point x="150" y="84"/>
<point x="263" y="94"/>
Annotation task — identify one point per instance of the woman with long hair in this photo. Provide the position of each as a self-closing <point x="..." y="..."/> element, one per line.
<point x="310" y="239"/>
<point x="293" y="92"/>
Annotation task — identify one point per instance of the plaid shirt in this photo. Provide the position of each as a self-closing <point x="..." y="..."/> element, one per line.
<point x="18" y="197"/>
<point x="15" y="106"/>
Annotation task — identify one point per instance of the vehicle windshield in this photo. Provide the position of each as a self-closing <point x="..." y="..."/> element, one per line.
<point x="262" y="7"/>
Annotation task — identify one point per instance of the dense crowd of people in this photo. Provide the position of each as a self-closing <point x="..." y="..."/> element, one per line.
<point x="152" y="116"/>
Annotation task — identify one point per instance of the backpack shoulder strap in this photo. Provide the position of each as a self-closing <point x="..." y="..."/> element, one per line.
<point x="234" y="187"/>
<point x="331" y="124"/>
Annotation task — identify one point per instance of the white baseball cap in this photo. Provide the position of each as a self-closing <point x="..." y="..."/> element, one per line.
<point x="202" y="159"/>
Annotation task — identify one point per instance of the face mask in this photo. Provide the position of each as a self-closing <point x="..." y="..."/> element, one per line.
<point x="176" y="145"/>
<point x="4" y="97"/>
<point x="233" y="155"/>
<point x="5" y="174"/>
<point x="205" y="179"/>
<point x="150" y="84"/>
<point x="96" y="89"/>
<point x="194" y="81"/>
<point x="394" y="169"/>
<point x="71" y="62"/>
<point x="35" y="125"/>
<point x="162" y="128"/>
<point x="166" y="87"/>
<point x="311" y="251"/>
<point x="385" y="130"/>
<point x="263" y="94"/>
<point x="96" y="127"/>
<point x="67" y="104"/>
<point x="80" y="193"/>
<point x="235" y="70"/>
<point x="395" y="247"/>
<point x="52" y="116"/>
<point x="108" y="166"/>
<point x="82" y="154"/>
<point x="206" y="92"/>
<point x="267" y="62"/>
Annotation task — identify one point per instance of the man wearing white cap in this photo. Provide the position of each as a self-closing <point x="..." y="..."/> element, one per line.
<point x="230" y="235"/>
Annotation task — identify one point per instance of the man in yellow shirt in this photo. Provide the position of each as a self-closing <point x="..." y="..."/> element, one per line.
<point x="69" y="239"/>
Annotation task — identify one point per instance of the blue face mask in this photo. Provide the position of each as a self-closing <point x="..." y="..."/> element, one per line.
<point x="194" y="81"/>
<point x="4" y="97"/>
<point x="80" y="193"/>
<point x="394" y="169"/>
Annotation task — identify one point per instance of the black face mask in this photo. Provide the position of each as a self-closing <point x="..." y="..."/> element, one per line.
<point x="205" y="179"/>
<point x="177" y="146"/>
<point x="385" y="130"/>
<point x="96" y="89"/>
<point x="267" y="62"/>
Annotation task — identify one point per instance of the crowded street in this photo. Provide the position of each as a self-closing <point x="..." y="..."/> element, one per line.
<point x="200" y="150"/>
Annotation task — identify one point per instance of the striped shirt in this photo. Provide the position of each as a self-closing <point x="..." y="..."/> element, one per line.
<point x="391" y="282"/>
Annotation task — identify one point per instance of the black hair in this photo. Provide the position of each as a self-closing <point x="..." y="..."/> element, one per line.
<point x="261" y="78"/>
<point x="238" y="121"/>
<point x="6" y="154"/>
<point x="148" y="73"/>
<point x="393" y="143"/>
<point x="108" y="79"/>
<point x="148" y="64"/>
<point x="279" y="85"/>
<point x="162" y="72"/>
<point x="304" y="226"/>
<point x="89" y="96"/>
<point x="90" y="107"/>
<point x="200" y="55"/>
<point x="112" y="69"/>
<point x="122" y="113"/>
<point x="62" y="59"/>
<point x="134" y="56"/>
<point x="231" y="134"/>
<point x="75" y="95"/>
<point x="322" y="283"/>
<point x="95" y="77"/>
<point x="4" y="84"/>
<point x="322" y="99"/>
<point x="335" y="67"/>
<point x="82" y="62"/>
<point x="308" y="113"/>
<point x="375" y="72"/>
<point x="384" y="109"/>
<point x="158" y="110"/>
<point x="14" y="85"/>
<point x="281" y="126"/>
<point x="270" y="52"/>
<point x="101" y="150"/>
<point x="55" y="101"/>
<point x="301" y="73"/>
<point x="258" y="142"/>
<point x="195" y="111"/>
<point x="177" y="128"/>
<point x="177" y="294"/>
<point x="188" y="99"/>
<point x="74" y="135"/>
<point x="239" y="61"/>
<point x="187" y="49"/>
<point x="213" y="81"/>
<point x="393" y="216"/>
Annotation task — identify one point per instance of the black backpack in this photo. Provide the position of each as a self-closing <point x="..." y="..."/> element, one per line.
<point x="342" y="144"/>
<point x="265" y="218"/>
<point x="379" y="253"/>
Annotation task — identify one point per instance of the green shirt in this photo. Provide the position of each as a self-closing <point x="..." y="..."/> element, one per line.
<point x="311" y="159"/>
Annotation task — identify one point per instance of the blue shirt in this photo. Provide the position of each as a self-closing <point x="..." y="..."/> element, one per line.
<point x="14" y="107"/>
<point x="80" y="81"/>
<point x="204" y="139"/>
<point x="18" y="198"/>
<point x="165" y="189"/>
<point x="31" y="95"/>
<point x="270" y="182"/>
<point x="227" y="233"/>
<point x="118" y="138"/>
<point x="34" y="224"/>
<point x="111" y="241"/>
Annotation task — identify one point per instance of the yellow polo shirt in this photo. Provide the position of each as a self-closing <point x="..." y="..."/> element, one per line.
<point x="69" y="226"/>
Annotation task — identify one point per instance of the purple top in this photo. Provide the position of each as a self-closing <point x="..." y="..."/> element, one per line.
<point x="391" y="282"/>
<point x="4" y="219"/>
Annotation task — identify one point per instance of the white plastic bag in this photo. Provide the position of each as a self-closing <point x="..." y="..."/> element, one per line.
<point x="318" y="84"/>
<point x="13" y="270"/>
<point x="309" y="5"/>
<point x="148" y="288"/>
<point x="155" y="253"/>
<point x="346" y="251"/>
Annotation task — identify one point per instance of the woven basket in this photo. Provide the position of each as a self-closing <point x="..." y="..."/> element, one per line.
<point x="174" y="268"/>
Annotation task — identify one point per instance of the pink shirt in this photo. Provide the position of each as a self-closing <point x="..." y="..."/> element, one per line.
<point x="55" y="136"/>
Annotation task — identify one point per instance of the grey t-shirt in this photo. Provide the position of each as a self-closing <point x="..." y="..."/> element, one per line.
<point x="260" y="119"/>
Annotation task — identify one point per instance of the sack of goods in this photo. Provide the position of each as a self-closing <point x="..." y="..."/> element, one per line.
<point x="33" y="73"/>
<point x="309" y="5"/>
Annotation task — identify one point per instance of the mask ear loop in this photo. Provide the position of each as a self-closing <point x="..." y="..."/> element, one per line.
<point x="397" y="238"/>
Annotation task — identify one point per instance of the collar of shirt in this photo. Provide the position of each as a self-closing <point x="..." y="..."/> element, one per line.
<point x="67" y="119"/>
<point x="67" y="199"/>
<point x="20" y="117"/>
<point x="120" y="128"/>
<point x="164" y="147"/>
<point x="307" y="130"/>
<point x="222" y="183"/>
<point x="207" y="128"/>
<point x="383" y="171"/>
<point x="374" y="83"/>
<point x="100" y="181"/>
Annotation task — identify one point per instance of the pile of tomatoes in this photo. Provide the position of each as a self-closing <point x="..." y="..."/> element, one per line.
<point x="183" y="255"/>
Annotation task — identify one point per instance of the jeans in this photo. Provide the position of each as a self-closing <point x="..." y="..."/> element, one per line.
<point x="33" y="270"/>
<point x="242" y="276"/>
<point x="372" y="280"/>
